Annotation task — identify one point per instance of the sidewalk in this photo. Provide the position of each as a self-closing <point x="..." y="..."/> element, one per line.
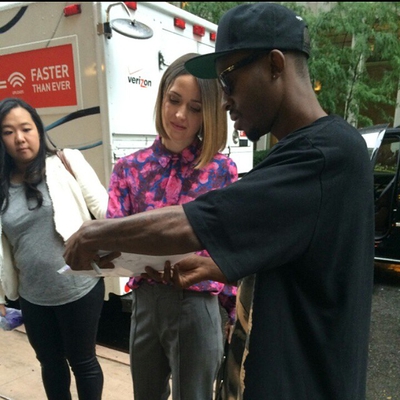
<point x="20" y="377"/>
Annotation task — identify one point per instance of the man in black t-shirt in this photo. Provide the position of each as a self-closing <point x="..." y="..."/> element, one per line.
<point x="301" y="222"/>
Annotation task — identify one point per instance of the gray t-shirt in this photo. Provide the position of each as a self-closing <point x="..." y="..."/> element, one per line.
<point x="38" y="252"/>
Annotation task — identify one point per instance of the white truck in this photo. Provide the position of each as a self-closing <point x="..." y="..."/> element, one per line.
<point x="92" y="70"/>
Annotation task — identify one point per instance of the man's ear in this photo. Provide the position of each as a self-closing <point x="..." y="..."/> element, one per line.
<point x="277" y="62"/>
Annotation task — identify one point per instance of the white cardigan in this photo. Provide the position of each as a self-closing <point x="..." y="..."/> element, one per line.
<point x="71" y="200"/>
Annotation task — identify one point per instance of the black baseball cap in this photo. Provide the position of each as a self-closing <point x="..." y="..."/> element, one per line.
<point x="259" y="26"/>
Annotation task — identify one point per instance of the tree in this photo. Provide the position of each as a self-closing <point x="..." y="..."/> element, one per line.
<point x="210" y="11"/>
<point x="355" y="60"/>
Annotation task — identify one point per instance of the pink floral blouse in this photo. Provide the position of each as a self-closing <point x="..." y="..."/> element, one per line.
<point x="155" y="177"/>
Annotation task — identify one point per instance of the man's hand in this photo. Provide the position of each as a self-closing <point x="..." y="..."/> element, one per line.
<point x="78" y="255"/>
<point x="185" y="273"/>
<point x="106" y="259"/>
<point x="171" y="274"/>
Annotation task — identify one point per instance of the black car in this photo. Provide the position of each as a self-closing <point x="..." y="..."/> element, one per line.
<point x="384" y="145"/>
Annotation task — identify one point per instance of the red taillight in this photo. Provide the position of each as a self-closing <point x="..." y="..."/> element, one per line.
<point x="199" y="30"/>
<point x="131" y="4"/>
<point x="179" y="23"/>
<point x="72" y="9"/>
<point x="213" y="36"/>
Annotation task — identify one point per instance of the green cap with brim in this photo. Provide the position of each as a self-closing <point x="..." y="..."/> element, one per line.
<point x="204" y="66"/>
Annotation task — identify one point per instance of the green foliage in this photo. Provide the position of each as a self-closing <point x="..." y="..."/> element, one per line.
<point x="211" y="11"/>
<point x="259" y="155"/>
<point x="355" y="55"/>
<point x="356" y="59"/>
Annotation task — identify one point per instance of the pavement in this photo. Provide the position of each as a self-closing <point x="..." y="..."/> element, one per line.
<point x="20" y="377"/>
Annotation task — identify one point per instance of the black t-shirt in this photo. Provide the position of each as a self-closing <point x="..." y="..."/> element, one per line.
<point x="302" y="221"/>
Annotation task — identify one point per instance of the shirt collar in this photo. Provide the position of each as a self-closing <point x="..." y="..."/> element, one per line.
<point x="186" y="156"/>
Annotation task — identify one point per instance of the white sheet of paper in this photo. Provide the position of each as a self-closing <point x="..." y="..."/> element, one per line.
<point x="128" y="264"/>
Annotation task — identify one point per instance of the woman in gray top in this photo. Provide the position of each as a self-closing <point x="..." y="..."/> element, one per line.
<point x="42" y="204"/>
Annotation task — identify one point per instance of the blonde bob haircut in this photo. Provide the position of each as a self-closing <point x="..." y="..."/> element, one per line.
<point x="213" y="131"/>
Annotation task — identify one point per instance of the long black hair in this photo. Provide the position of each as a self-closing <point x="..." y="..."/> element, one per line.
<point x="35" y="171"/>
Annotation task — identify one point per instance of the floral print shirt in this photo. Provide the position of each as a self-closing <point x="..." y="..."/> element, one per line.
<point x="155" y="177"/>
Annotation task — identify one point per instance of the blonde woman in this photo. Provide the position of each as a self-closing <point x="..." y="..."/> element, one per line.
<point x="176" y="332"/>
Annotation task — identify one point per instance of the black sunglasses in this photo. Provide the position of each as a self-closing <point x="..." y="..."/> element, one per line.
<point x="226" y="86"/>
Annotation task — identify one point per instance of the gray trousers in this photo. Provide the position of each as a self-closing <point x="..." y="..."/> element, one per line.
<point x="174" y="334"/>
